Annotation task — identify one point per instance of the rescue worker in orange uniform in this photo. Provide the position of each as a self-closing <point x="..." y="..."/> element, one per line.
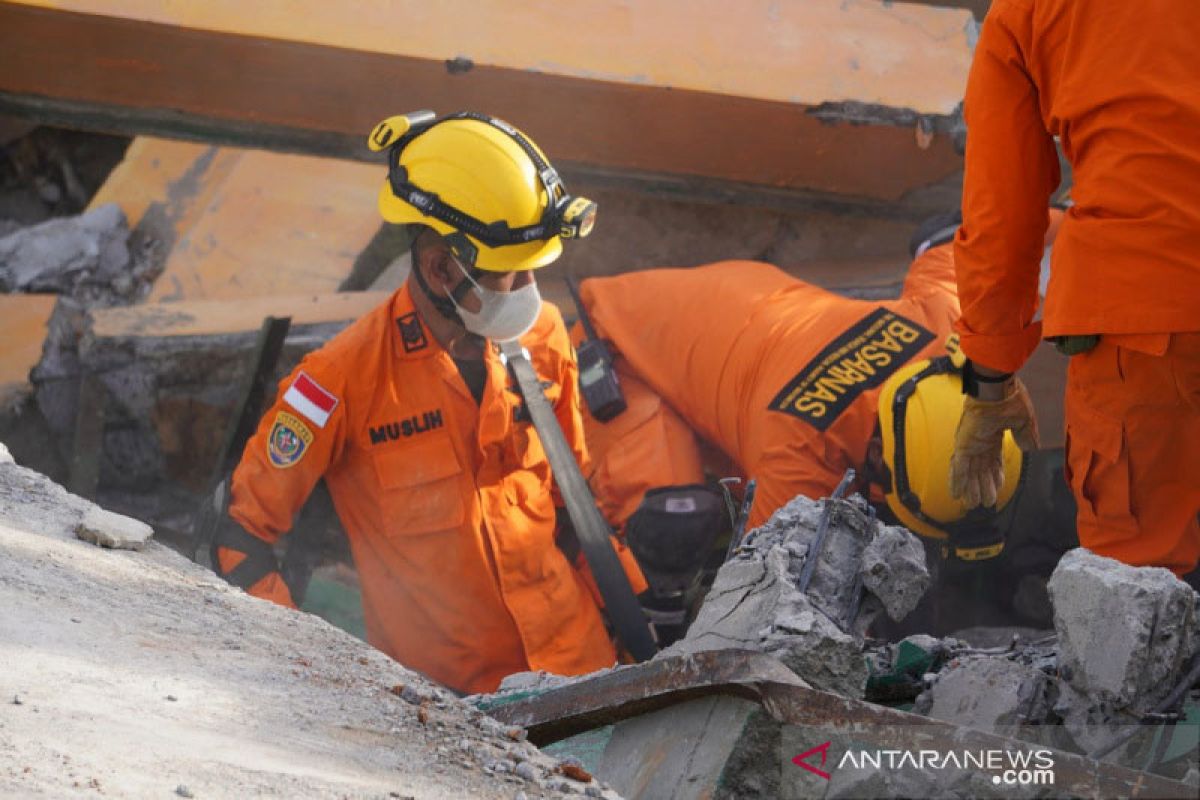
<point x="1119" y="84"/>
<point x="413" y="421"/>
<point x="794" y="383"/>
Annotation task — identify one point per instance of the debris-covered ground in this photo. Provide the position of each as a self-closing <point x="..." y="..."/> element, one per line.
<point x="1125" y="647"/>
<point x="134" y="673"/>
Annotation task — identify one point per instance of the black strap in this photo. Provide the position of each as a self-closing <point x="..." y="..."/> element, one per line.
<point x="260" y="558"/>
<point x="595" y="537"/>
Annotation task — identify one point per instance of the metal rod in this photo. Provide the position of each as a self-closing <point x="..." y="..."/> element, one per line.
<point x="735" y="537"/>
<point x="814" y="553"/>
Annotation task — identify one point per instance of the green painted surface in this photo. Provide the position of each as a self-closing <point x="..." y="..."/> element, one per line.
<point x="337" y="604"/>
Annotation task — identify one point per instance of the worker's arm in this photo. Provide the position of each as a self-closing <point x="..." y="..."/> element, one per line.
<point x="931" y="284"/>
<point x="1011" y="170"/>
<point x="295" y="442"/>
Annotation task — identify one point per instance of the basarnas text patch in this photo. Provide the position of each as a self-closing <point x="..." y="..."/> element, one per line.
<point x="860" y="359"/>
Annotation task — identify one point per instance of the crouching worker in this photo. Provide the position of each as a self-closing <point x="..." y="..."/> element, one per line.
<point x="421" y="433"/>
<point x="795" y="385"/>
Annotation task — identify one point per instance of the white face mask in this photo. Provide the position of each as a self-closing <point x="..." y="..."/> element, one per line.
<point x="502" y="315"/>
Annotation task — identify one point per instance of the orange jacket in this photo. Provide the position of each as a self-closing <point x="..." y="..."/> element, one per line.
<point x="782" y="375"/>
<point x="1119" y="83"/>
<point x="448" y="505"/>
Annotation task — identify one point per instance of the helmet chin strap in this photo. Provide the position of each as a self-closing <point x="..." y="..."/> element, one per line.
<point x="443" y="305"/>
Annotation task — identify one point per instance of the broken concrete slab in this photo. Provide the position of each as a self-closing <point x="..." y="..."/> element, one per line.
<point x="169" y="374"/>
<point x="995" y="695"/>
<point x="894" y="570"/>
<point x="679" y="750"/>
<point x="115" y="531"/>
<point x="1125" y="633"/>
<point x="756" y="603"/>
<point x="85" y="257"/>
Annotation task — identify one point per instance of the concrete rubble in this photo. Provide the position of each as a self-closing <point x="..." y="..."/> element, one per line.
<point x="863" y="568"/>
<point x="140" y="674"/>
<point x="1125" y="633"/>
<point x="116" y="531"/>
<point x="86" y="258"/>
<point x="1124" y="639"/>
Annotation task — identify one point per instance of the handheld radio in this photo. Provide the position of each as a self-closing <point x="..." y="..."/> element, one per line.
<point x="598" y="382"/>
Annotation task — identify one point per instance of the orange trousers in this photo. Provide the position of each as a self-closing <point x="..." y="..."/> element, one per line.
<point x="1133" y="448"/>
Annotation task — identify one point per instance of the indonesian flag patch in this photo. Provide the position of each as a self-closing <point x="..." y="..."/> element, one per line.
<point x="306" y="396"/>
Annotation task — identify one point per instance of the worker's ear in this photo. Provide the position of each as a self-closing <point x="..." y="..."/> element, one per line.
<point x="437" y="265"/>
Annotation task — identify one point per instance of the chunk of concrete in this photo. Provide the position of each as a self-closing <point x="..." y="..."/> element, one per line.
<point x="1090" y="723"/>
<point x="69" y="255"/>
<point x="994" y="695"/>
<point x="5" y="456"/>
<point x="756" y="602"/>
<point x="108" y="529"/>
<point x="755" y="605"/>
<point x="1125" y="633"/>
<point x="894" y="570"/>
<point x="858" y="553"/>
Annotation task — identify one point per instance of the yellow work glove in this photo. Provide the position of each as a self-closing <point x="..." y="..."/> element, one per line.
<point x="977" y="464"/>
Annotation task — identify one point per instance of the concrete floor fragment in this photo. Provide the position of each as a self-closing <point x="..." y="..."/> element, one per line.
<point x="1125" y="633"/>
<point x="756" y="602"/>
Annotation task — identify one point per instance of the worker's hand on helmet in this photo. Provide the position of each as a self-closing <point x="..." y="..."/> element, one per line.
<point x="977" y="464"/>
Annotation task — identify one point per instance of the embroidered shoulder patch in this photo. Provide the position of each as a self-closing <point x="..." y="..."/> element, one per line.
<point x="311" y="399"/>
<point x="411" y="333"/>
<point x="861" y="358"/>
<point x="288" y="441"/>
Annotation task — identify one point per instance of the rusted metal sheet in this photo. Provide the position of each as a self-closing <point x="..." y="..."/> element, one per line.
<point x="635" y="690"/>
<point x="827" y="99"/>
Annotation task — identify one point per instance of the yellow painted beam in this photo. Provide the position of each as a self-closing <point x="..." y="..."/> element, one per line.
<point x="232" y="223"/>
<point x="823" y="100"/>
<point x="23" y="320"/>
<point x="807" y="53"/>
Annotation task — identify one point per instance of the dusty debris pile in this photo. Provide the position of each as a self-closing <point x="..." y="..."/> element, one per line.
<point x="1125" y="640"/>
<point x="201" y="690"/>
<point x="758" y="601"/>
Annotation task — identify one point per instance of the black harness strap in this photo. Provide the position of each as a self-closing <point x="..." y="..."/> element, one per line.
<point x="260" y="558"/>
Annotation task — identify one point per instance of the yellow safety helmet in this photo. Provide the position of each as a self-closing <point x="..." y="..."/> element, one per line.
<point x="919" y="409"/>
<point x="480" y="183"/>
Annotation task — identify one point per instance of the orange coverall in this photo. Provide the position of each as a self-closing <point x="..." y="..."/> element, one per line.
<point x="448" y="505"/>
<point x="1119" y="83"/>
<point x="781" y="375"/>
